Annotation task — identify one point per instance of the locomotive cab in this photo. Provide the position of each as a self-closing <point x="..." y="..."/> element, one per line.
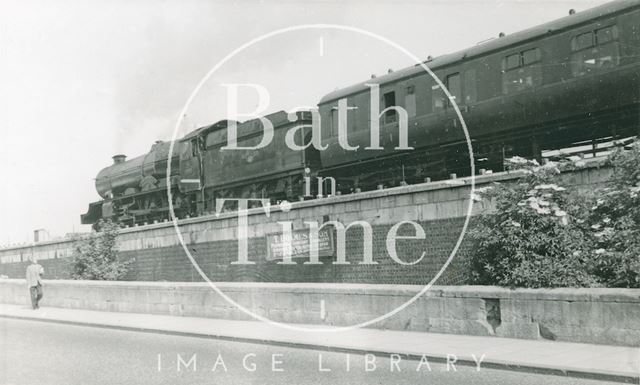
<point x="191" y="199"/>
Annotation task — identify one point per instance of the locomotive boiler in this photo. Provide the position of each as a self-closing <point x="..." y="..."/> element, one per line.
<point x="134" y="191"/>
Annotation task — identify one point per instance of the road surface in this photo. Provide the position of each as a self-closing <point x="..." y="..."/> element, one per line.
<point x="34" y="353"/>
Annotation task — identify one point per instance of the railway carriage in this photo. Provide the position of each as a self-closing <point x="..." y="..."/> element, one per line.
<point x="568" y="81"/>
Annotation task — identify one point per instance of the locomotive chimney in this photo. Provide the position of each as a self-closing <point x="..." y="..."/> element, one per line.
<point x="120" y="158"/>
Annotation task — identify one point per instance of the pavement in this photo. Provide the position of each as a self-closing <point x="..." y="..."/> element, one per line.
<point x="601" y="362"/>
<point x="46" y="353"/>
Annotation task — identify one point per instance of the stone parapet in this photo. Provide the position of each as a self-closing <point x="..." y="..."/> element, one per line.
<point x="599" y="316"/>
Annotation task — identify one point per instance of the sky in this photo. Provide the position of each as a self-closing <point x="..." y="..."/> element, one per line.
<point x="83" y="80"/>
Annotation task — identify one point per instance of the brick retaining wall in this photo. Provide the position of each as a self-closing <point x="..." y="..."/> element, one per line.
<point x="438" y="207"/>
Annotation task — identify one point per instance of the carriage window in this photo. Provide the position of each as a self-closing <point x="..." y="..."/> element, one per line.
<point x="521" y="59"/>
<point x="530" y="56"/>
<point x="389" y="101"/>
<point x="334" y="121"/>
<point x="410" y="101"/>
<point x="525" y="74"/>
<point x="453" y="85"/>
<point x="437" y="97"/>
<point x="582" y="41"/>
<point x="594" y="51"/>
<point x="511" y="62"/>
<point x="606" y="35"/>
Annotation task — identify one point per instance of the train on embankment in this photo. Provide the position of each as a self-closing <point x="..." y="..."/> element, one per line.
<point x="572" y="81"/>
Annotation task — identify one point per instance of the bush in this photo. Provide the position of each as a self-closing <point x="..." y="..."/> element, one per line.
<point x="612" y="221"/>
<point x="96" y="257"/>
<point x="545" y="235"/>
<point x="530" y="240"/>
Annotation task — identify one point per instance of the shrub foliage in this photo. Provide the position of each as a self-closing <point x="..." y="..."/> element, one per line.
<point x="96" y="256"/>
<point x="542" y="234"/>
<point x="612" y="221"/>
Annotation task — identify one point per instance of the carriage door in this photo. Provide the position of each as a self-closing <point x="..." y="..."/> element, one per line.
<point x="452" y="126"/>
<point x="457" y="156"/>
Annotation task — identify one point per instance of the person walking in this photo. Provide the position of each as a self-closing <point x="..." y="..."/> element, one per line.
<point x="34" y="282"/>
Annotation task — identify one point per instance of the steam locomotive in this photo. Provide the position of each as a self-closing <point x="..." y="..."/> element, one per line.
<point x="572" y="81"/>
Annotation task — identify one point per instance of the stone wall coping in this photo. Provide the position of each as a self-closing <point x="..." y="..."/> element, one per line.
<point x="365" y="195"/>
<point x="52" y="242"/>
<point x="464" y="182"/>
<point x="401" y="190"/>
<point x="486" y="292"/>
